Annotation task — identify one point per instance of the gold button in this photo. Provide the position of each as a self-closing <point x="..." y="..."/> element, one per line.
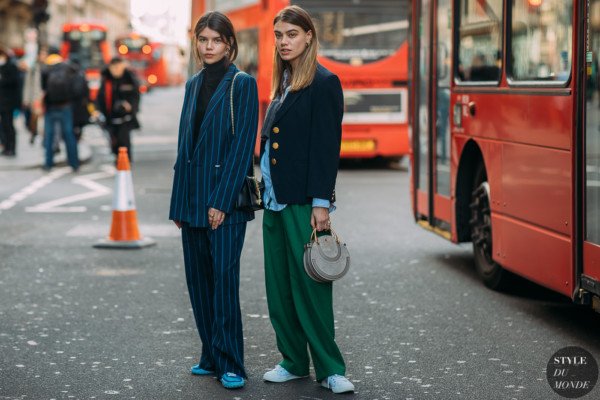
<point x="275" y="130"/>
<point x="275" y="145"/>
<point x="273" y="161"/>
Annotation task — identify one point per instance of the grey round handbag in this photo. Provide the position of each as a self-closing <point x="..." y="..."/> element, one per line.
<point x="325" y="258"/>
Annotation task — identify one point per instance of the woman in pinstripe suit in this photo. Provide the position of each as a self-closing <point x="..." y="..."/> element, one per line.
<point x="212" y="161"/>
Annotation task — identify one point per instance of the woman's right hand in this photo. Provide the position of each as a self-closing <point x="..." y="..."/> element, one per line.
<point x="178" y="223"/>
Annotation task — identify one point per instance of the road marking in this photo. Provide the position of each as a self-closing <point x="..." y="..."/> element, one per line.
<point x="88" y="181"/>
<point x="153" y="230"/>
<point x="32" y="188"/>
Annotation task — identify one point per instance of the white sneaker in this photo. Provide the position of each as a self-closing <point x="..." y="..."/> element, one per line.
<point x="280" y="374"/>
<point x="338" y="384"/>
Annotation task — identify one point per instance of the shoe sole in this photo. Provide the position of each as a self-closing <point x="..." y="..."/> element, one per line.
<point x="203" y="373"/>
<point x="325" y="386"/>
<point x="285" y="380"/>
<point x="232" y="385"/>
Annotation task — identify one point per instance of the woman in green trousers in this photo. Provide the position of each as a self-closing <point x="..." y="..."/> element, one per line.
<point x="300" y="146"/>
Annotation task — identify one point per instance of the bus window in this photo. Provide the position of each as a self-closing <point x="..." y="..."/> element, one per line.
<point x="541" y="41"/>
<point x="442" y="103"/>
<point x="480" y="41"/>
<point x="358" y="32"/>
<point x="85" y="48"/>
<point x="592" y="145"/>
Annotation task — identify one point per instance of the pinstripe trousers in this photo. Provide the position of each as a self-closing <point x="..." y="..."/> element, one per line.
<point x="212" y="269"/>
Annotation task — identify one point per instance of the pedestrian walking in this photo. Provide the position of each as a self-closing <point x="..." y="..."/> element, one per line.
<point x="33" y="93"/>
<point x="213" y="159"/>
<point x="300" y="147"/>
<point x="59" y="91"/>
<point x="10" y="100"/>
<point x="119" y="100"/>
<point x="81" y="102"/>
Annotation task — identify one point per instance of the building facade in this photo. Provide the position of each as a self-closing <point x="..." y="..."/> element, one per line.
<point x="115" y="14"/>
<point x="17" y="16"/>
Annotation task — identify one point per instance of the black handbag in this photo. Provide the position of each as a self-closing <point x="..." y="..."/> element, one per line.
<point x="250" y="196"/>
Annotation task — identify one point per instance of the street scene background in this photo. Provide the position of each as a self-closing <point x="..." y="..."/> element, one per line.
<point x="412" y="318"/>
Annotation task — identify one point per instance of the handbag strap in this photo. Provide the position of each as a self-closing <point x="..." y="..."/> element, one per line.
<point x="250" y="170"/>
<point x="315" y="238"/>
<point x="231" y="101"/>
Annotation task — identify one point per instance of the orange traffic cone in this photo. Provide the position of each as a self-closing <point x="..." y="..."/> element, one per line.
<point x="124" y="232"/>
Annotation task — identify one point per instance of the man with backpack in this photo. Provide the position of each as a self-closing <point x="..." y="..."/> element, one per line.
<point x="59" y="82"/>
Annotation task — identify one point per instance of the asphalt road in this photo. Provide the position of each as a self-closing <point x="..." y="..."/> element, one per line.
<point x="412" y="319"/>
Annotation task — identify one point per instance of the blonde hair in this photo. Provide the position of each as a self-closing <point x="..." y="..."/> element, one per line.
<point x="304" y="74"/>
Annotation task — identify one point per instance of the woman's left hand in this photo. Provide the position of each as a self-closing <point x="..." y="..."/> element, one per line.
<point x="319" y="219"/>
<point x="215" y="217"/>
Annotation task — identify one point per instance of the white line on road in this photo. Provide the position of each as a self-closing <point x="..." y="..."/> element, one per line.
<point x="153" y="230"/>
<point x="32" y="188"/>
<point x="96" y="190"/>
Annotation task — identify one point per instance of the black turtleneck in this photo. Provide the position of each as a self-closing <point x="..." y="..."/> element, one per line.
<point x="213" y="74"/>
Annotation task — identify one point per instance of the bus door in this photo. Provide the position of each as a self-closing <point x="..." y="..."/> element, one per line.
<point x="432" y="106"/>
<point x="591" y="126"/>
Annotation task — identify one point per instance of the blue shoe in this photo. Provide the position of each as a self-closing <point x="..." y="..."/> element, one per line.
<point x="232" y="381"/>
<point x="196" y="370"/>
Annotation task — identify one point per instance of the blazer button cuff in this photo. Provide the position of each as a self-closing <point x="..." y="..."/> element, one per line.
<point x="275" y="145"/>
<point x="275" y="130"/>
<point x="273" y="161"/>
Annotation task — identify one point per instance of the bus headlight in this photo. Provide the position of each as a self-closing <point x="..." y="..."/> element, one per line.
<point x="152" y="79"/>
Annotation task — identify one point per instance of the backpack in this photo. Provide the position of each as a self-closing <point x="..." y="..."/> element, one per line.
<point x="60" y="84"/>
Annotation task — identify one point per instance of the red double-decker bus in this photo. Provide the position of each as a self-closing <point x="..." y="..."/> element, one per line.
<point x="155" y="63"/>
<point x="85" y="43"/>
<point x="166" y="66"/>
<point x="505" y="115"/>
<point x="136" y="49"/>
<point x="363" y="42"/>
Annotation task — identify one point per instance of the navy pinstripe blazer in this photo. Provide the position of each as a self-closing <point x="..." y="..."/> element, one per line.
<point x="211" y="174"/>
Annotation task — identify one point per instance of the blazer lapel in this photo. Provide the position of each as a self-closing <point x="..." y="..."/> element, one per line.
<point x="195" y="93"/>
<point x="290" y="99"/>
<point x="221" y="92"/>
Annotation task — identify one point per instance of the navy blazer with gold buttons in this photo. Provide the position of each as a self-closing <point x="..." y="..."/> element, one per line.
<point x="211" y="173"/>
<point x="305" y="140"/>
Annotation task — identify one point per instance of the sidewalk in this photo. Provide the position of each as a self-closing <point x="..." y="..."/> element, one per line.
<point x="32" y="155"/>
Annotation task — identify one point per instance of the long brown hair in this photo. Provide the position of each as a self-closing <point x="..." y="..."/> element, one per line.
<point x="304" y="74"/>
<point x="219" y="23"/>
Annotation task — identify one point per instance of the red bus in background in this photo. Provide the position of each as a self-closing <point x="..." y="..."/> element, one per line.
<point x="156" y="64"/>
<point x="505" y="113"/>
<point x="363" y="42"/>
<point x="166" y="66"/>
<point x="85" y="44"/>
<point x="136" y="49"/>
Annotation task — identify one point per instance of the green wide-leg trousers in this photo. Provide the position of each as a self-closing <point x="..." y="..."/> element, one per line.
<point x="301" y="309"/>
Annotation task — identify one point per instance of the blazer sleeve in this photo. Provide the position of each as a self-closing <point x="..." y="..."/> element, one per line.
<point x="325" y="137"/>
<point x="239" y="156"/>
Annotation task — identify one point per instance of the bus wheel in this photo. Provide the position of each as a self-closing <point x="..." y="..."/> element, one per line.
<point x="492" y="273"/>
